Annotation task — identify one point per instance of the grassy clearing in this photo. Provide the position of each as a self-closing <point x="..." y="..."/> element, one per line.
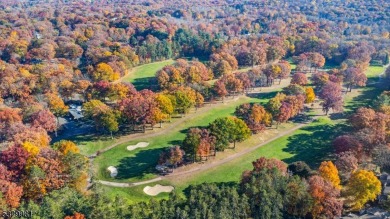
<point x="141" y="75"/>
<point x="311" y="144"/>
<point x="374" y="71"/>
<point x="139" y="164"/>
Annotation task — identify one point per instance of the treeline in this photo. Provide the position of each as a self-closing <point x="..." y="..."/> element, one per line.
<point x="272" y="189"/>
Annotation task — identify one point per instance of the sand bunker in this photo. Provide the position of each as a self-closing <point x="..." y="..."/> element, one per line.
<point x="138" y="145"/>
<point x="113" y="171"/>
<point x="157" y="189"/>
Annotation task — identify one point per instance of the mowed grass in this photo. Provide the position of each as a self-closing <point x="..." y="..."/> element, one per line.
<point x="374" y="71"/>
<point x="363" y="96"/>
<point x="140" y="76"/>
<point x="139" y="164"/>
<point x="311" y="144"/>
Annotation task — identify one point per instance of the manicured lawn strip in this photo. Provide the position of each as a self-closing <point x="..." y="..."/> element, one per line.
<point x="140" y="75"/>
<point x="374" y="71"/>
<point x="310" y="144"/>
<point x="139" y="164"/>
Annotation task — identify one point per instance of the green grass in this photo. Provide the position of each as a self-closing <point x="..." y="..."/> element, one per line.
<point x="141" y="75"/>
<point x="311" y="144"/>
<point x="139" y="164"/>
<point x="363" y="97"/>
<point x="374" y="71"/>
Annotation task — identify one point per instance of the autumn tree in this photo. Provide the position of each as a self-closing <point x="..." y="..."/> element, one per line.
<point x="103" y="115"/>
<point x="310" y="95"/>
<point x="56" y="105"/>
<point x="354" y="77"/>
<point x="44" y="119"/>
<point x="346" y="163"/>
<point x="299" y="78"/>
<point x="65" y="147"/>
<point x="326" y="198"/>
<point x="329" y="172"/>
<point x="104" y="71"/>
<point x="348" y="143"/>
<point x="331" y="96"/>
<point x="173" y="156"/>
<point x="362" y="186"/>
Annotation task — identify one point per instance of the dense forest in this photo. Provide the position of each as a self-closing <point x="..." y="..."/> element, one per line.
<point x="54" y="53"/>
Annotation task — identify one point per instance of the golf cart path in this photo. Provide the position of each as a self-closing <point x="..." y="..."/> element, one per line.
<point x="209" y="165"/>
<point x="204" y="109"/>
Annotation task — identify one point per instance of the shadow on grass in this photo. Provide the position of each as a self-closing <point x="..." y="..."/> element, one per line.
<point x="368" y="95"/>
<point x="145" y="83"/>
<point x="144" y="162"/>
<point x="262" y="96"/>
<point x="316" y="145"/>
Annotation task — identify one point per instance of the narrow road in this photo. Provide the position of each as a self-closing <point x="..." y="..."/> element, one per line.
<point x="208" y="165"/>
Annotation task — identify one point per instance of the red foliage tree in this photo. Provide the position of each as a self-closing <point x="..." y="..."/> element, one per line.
<point x="15" y="159"/>
<point x="325" y="197"/>
<point x="299" y="78"/>
<point x="331" y="95"/>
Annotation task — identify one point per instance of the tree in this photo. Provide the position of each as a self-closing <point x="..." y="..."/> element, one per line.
<point x="285" y="113"/>
<point x="299" y="78"/>
<point x="76" y="215"/>
<point x="362" y="186"/>
<point x="329" y="172"/>
<point x="331" y="96"/>
<point x="12" y="193"/>
<point x="104" y="71"/>
<point x="346" y="163"/>
<point x="165" y="105"/>
<point x="191" y="142"/>
<point x="362" y="118"/>
<point x="239" y="132"/>
<point x="298" y="201"/>
<point x="272" y="71"/>
<point x="103" y="115"/>
<point x="65" y="147"/>
<point x="266" y="192"/>
<point x="320" y="79"/>
<point x="15" y="159"/>
<point x="220" y="89"/>
<point x="300" y="168"/>
<point x="44" y="119"/>
<point x="264" y="163"/>
<point x="228" y="129"/>
<point x="56" y="105"/>
<point x="348" y="143"/>
<point x="354" y="77"/>
<point x="310" y="95"/>
<point x="173" y="156"/>
<point x="326" y="198"/>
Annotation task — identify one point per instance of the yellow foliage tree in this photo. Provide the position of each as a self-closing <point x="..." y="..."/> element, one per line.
<point x="310" y="95"/>
<point x="31" y="148"/>
<point x="165" y="104"/>
<point x="104" y="71"/>
<point x="56" y="104"/>
<point x="66" y="146"/>
<point x="329" y="172"/>
<point x="363" y="186"/>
